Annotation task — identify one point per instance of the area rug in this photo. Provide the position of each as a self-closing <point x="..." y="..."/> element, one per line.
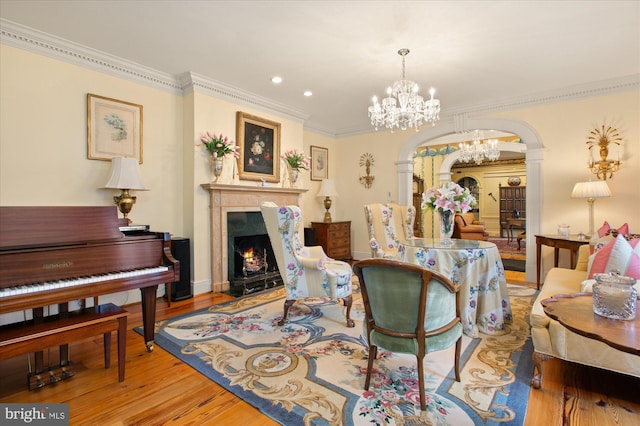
<point x="512" y="258"/>
<point x="311" y="370"/>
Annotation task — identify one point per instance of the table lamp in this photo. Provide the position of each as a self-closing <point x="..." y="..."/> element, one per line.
<point x="591" y="190"/>
<point x="125" y="176"/>
<point x="327" y="190"/>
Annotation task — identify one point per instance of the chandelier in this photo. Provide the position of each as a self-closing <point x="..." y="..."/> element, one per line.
<point x="477" y="150"/>
<point x="403" y="107"/>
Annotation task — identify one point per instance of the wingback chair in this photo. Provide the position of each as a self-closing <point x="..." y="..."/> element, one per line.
<point x="387" y="225"/>
<point x="306" y="271"/>
<point x="465" y="227"/>
<point x="409" y="309"/>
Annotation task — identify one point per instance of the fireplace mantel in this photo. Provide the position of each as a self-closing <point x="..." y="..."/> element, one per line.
<point x="237" y="198"/>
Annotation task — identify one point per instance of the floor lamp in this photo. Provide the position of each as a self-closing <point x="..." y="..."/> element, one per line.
<point x="591" y="190"/>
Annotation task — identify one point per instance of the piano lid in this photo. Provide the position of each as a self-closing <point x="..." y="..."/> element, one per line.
<point x="36" y="226"/>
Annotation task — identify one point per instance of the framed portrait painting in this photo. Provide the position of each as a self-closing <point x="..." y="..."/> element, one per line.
<point x="319" y="163"/>
<point x="259" y="142"/>
<point x="114" y="128"/>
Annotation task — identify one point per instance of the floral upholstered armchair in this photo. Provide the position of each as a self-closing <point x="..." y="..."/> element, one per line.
<point x="388" y="224"/>
<point x="307" y="272"/>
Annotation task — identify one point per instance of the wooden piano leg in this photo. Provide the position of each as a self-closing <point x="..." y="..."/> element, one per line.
<point x="149" y="314"/>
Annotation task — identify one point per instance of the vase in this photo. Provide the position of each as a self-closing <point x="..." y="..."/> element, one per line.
<point x="446" y="227"/>
<point x="216" y="164"/>
<point x="294" y="175"/>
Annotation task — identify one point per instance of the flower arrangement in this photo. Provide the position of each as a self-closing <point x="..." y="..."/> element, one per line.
<point x="296" y="160"/>
<point x="220" y="146"/>
<point x="450" y="197"/>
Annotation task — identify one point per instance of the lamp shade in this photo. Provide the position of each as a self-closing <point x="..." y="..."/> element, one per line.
<point x="597" y="189"/>
<point x="327" y="189"/>
<point x="125" y="174"/>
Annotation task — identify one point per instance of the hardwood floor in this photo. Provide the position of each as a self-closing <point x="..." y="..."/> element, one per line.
<point x="160" y="389"/>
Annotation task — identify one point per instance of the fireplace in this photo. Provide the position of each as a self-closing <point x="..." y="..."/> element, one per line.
<point x="225" y="199"/>
<point x="251" y="263"/>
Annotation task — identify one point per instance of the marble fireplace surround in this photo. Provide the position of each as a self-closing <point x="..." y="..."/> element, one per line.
<point x="237" y="198"/>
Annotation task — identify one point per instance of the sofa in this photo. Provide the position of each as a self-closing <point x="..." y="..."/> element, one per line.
<point x="465" y="227"/>
<point x="551" y="339"/>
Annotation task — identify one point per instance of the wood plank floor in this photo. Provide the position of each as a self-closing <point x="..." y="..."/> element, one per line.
<point x="160" y="389"/>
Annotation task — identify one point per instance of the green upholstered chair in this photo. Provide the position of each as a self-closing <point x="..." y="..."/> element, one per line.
<point x="409" y="309"/>
<point x="307" y="272"/>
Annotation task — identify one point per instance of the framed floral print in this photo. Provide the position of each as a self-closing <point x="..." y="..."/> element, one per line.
<point x="319" y="163"/>
<point x="259" y="142"/>
<point x="114" y="128"/>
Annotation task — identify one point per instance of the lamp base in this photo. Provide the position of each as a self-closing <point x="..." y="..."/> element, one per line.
<point x="125" y="202"/>
<point x="327" y="206"/>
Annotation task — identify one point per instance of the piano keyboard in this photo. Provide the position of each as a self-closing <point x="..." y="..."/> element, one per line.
<point x="53" y="285"/>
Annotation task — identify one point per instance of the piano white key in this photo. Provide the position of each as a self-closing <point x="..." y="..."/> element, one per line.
<point x="53" y="285"/>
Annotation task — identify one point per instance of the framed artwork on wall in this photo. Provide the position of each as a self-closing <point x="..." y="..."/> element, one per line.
<point x="259" y="142"/>
<point x="114" y="129"/>
<point x="319" y="163"/>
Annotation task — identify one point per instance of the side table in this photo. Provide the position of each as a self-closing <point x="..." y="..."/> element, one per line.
<point x="572" y="243"/>
<point x="335" y="238"/>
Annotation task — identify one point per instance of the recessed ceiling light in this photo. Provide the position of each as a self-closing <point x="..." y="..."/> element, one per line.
<point x="308" y="93"/>
<point x="276" y="79"/>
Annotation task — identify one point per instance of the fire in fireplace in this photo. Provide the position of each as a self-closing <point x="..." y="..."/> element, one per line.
<point x="252" y="263"/>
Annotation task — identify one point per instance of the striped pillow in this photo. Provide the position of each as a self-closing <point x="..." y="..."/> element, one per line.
<point x="617" y="256"/>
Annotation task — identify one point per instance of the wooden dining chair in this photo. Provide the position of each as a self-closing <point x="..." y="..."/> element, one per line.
<point x="409" y="309"/>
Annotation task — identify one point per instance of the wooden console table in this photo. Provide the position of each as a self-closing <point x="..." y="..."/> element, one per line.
<point x="572" y="243"/>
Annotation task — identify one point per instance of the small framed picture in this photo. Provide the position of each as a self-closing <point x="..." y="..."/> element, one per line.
<point x="319" y="163"/>
<point x="114" y="129"/>
<point x="259" y="142"/>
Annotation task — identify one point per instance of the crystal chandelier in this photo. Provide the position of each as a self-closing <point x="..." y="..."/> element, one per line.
<point x="410" y="110"/>
<point x="477" y="150"/>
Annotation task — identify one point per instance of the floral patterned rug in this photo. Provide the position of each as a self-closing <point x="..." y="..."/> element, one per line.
<point x="311" y="370"/>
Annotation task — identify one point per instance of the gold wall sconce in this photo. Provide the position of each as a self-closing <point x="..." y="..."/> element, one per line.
<point x="366" y="161"/>
<point x="605" y="167"/>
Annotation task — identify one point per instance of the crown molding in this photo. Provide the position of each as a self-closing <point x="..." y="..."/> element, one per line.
<point x="35" y="41"/>
<point x="192" y="82"/>
<point x="588" y="90"/>
<point x="26" y="38"/>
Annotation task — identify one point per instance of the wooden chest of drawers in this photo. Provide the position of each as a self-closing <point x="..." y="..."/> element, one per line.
<point x="335" y="238"/>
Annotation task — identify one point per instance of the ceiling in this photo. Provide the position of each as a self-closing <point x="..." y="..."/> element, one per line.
<point x="472" y="52"/>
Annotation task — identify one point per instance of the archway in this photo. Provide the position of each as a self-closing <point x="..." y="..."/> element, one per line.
<point x="462" y="124"/>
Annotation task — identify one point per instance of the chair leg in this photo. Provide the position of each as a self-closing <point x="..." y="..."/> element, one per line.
<point x="348" y="301"/>
<point x="373" y="352"/>
<point x="287" y="304"/>
<point x="423" y="404"/>
<point x="457" y="360"/>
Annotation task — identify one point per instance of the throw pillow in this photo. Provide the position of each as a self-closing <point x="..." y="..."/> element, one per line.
<point x="605" y="229"/>
<point x="619" y="256"/>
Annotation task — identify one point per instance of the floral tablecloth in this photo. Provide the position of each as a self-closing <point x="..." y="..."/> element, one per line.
<point x="477" y="267"/>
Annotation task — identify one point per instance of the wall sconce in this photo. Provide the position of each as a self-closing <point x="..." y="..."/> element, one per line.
<point x="605" y="167"/>
<point x="591" y="190"/>
<point x="367" y="161"/>
<point x="327" y="190"/>
<point x="125" y="176"/>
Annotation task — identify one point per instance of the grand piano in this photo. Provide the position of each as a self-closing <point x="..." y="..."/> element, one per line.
<point x="54" y="255"/>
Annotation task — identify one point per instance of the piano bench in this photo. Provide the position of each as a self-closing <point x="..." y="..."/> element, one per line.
<point x="55" y="330"/>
